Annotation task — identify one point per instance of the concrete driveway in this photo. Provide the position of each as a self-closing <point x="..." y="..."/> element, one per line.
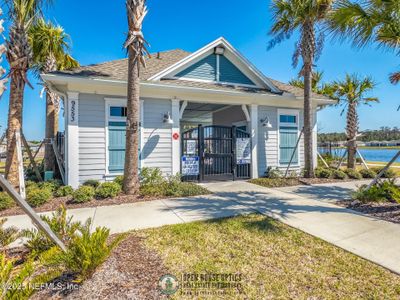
<point x="308" y="208"/>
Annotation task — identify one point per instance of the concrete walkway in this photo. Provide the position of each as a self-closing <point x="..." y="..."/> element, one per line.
<point x="308" y="208"/>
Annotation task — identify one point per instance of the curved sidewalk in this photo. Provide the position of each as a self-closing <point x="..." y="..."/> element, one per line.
<point x="307" y="208"/>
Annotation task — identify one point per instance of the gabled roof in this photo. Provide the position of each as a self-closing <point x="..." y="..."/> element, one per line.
<point x="160" y="64"/>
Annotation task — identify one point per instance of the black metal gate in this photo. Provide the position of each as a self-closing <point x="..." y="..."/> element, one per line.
<point x="210" y="153"/>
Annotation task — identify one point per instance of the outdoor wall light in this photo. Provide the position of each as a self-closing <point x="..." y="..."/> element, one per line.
<point x="266" y="123"/>
<point x="168" y="119"/>
<point x="219" y="50"/>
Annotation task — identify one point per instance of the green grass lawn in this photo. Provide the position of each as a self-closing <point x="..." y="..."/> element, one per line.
<point x="275" y="261"/>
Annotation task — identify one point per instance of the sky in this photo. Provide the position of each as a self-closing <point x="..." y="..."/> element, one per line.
<point x="98" y="28"/>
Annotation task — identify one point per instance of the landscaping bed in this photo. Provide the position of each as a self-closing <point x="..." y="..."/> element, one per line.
<point x="271" y="261"/>
<point x="254" y="256"/>
<point x="48" y="196"/>
<point x="384" y="210"/>
<point x="131" y="272"/>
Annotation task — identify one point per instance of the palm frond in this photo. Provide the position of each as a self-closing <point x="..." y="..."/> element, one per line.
<point x="395" y="77"/>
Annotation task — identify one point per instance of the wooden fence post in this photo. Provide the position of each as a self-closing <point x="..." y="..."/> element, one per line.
<point x="31" y="213"/>
<point x="31" y="157"/>
<point x="20" y="165"/>
<point x="376" y="179"/>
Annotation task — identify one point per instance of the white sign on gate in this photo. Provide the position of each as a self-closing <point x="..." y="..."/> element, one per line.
<point x="190" y="165"/>
<point x="243" y="151"/>
<point x="191" y="146"/>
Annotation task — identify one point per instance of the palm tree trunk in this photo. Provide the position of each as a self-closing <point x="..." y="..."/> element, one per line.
<point x="51" y="131"/>
<point x="131" y="170"/>
<point x="352" y="129"/>
<point x="308" y="52"/>
<point x="17" y="87"/>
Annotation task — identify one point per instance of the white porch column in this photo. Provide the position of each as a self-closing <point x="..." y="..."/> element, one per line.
<point x="72" y="134"/>
<point x="254" y="139"/>
<point x="176" y="137"/>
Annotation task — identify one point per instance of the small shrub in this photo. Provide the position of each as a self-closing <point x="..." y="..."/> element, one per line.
<point x="108" y="190"/>
<point x="88" y="250"/>
<point x="273" y="173"/>
<point x="368" y="173"/>
<point x="386" y="191"/>
<point x="83" y="194"/>
<point x="151" y="176"/>
<point x="64" y="191"/>
<point x="353" y="174"/>
<point x="172" y="186"/>
<point x="52" y="185"/>
<point x="30" y="183"/>
<point x="92" y="182"/>
<point x="276" y="182"/>
<point x="119" y="180"/>
<point x="389" y="173"/>
<point x="38" y="196"/>
<point x="323" y="173"/>
<point x="7" y="235"/>
<point x="338" y="174"/>
<point x="187" y="189"/>
<point x="38" y="242"/>
<point x="5" y="201"/>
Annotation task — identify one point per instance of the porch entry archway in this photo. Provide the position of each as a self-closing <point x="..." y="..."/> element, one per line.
<point x="215" y="153"/>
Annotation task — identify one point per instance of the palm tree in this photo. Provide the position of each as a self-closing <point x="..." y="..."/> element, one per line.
<point x="50" y="47"/>
<point x="370" y="21"/>
<point x="304" y="16"/>
<point x="317" y="86"/>
<point x="22" y="14"/>
<point x="136" y="45"/>
<point x="351" y="93"/>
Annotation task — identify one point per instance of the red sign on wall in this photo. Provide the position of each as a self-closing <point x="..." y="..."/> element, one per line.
<point x="175" y="136"/>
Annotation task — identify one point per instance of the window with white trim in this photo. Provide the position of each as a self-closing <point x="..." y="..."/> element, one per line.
<point x="288" y="135"/>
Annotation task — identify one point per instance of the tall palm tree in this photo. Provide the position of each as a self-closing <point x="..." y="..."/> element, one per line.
<point x="50" y="46"/>
<point x="22" y="14"/>
<point x="304" y="16"/>
<point x="351" y="93"/>
<point x="136" y="46"/>
<point x="317" y="86"/>
<point x="366" y="22"/>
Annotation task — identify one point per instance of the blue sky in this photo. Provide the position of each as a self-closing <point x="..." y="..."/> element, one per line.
<point x="97" y="29"/>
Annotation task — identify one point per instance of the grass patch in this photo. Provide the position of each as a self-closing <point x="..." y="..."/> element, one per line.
<point x="275" y="182"/>
<point x="275" y="260"/>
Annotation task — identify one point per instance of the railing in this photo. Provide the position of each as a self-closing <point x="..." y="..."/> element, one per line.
<point x="60" y="140"/>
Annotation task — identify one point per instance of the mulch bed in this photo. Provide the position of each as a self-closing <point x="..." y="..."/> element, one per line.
<point x="55" y="203"/>
<point x="385" y="211"/>
<point x="131" y="272"/>
<point x="311" y="181"/>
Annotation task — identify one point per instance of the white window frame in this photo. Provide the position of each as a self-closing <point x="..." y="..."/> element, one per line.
<point x="290" y="112"/>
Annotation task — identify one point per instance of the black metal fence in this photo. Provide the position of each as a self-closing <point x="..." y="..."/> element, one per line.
<point x="210" y="153"/>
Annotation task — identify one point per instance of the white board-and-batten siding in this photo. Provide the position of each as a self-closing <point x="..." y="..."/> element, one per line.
<point x="156" y="148"/>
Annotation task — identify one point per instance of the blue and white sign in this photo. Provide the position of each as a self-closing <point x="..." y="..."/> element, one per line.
<point x="243" y="151"/>
<point x="190" y="165"/>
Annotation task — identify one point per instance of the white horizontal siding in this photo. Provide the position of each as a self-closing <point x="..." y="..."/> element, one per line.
<point x="267" y="140"/>
<point x="157" y="136"/>
<point x="92" y="139"/>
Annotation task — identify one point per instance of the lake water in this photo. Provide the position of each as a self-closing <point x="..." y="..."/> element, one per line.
<point x="384" y="155"/>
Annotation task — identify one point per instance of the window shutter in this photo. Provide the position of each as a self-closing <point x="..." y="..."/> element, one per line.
<point x="288" y="139"/>
<point x="116" y="146"/>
